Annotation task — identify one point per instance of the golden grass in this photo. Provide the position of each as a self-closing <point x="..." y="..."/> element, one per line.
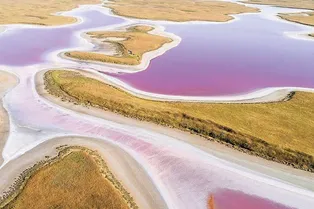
<point x="77" y="178"/>
<point x="301" y="4"/>
<point x="281" y="131"/>
<point x="38" y="12"/>
<point x="305" y="18"/>
<point x="136" y="42"/>
<point x="177" y="10"/>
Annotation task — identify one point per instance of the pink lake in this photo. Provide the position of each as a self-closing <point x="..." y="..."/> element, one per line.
<point x="224" y="59"/>
<point x="27" y="46"/>
<point x="211" y="60"/>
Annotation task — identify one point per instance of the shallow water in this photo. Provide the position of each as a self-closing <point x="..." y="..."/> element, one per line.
<point x="223" y="59"/>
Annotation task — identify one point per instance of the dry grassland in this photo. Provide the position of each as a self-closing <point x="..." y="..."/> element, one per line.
<point x="281" y="131"/>
<point x="177" y="10"/>
<point x="306" y="18"/>
<point x="136" y="41"/>
<point x="77" y="178"/>
<point x="38" y="12"/>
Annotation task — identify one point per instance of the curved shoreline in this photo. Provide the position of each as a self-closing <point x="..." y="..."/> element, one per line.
<point x="266" y="95"/>
<point x="146" y="58"/>
<point x="120" y="163"/>
<point x="166" y="180"/>
<point x="275" y="170"/>
<point x="10" y="80"/>
<point x="268" y="181"/>
<point x="271" y="94"/>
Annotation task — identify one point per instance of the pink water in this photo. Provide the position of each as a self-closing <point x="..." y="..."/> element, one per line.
<point x="196" y="67"/>
<point x="28" y="46"/>
<point x="230" y="199"/>
<point x="228" y="59"/>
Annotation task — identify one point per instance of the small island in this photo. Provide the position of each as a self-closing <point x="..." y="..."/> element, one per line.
<point x="130" y="45"/>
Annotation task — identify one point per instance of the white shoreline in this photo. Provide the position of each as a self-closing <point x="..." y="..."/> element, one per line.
<point x="10" y="81"/>
<point x="146" y="58"/>
<point x="263" y="95"/>
<point x="271" y="94"/>
<point x="238" y="170"/>
<point x="277" y="170"/>
<point x="125" y="169"/>
<point x="250" y="174"/>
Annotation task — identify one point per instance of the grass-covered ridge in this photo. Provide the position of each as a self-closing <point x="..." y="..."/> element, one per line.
<point x="282" y="132"/>
<point x="305" y="18"/>
<point x="177" y="10"/>
<point x="76" y="178"/>
<point x="135" y="42"/>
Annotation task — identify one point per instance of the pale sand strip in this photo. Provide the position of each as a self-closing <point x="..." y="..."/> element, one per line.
<point x="124" y="167"/>
<point x="7" y="81"/>
<point x="275" y="170"/>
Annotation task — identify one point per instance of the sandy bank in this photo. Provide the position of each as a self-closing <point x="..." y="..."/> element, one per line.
<point x="275" y="170"/>
<point x="125" y="169"/>
<point x="7" y="81"/>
